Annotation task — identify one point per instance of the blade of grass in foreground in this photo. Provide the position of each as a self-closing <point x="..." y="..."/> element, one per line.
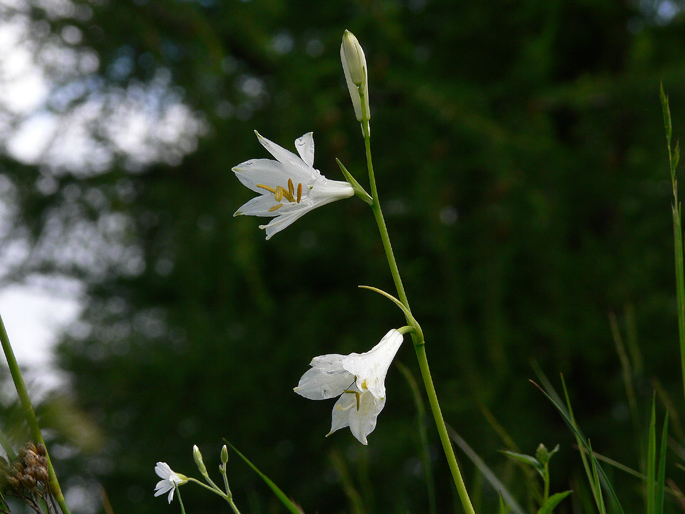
<point x="276" y="490"/>
<point x="676" y="209"/>
<point x="486" y="471"/>
<point x="595" y="474"/>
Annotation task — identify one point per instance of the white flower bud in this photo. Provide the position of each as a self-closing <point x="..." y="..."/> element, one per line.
<point x="356" y="74"/>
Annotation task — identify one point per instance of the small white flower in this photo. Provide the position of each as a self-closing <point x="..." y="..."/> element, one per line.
<point x="356" y="73"/>
<point x="359" y="381"/>
<point x="289" y="187"/>
<point x="169" y="480"/>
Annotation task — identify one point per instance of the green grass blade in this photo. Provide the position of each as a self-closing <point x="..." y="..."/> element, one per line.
<point x="661" y="474"/>
<point x="667" y="115"/>
<point x="673" y="159"/>
<point x="423" y="436"/>
<point x="651" y="461"/>
<point x="276" y="490"/>
<point x="593" y="468"/>
<point x="502" y="507"/>
<point x="486" y="471"/>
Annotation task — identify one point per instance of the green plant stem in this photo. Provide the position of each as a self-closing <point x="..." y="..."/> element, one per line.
<point x="417" y="336"/>
<point x="442" y="429"/>
<point x="30" y="415"/>
<point x="673" y="158"/>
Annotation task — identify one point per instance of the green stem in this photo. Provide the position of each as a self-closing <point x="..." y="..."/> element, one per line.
<point x="673" y="158"/>
<point x="180" y="502"/>
<point x="417" y="337"/>
<point x="30" y="415"/>
<point x="442" y="429"/>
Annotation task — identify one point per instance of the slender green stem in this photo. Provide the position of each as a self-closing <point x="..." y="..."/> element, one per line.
<point x="180" y="502"/>
<point x="417" y="336"/>
<point x="30" y="415"/>
<point x="442" y="429"/>
<point x="673" y="158"/>
<point x="214" y="489"/>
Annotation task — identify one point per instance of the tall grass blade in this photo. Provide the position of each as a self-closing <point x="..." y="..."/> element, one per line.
<point x="276" y="490"/>
<point x="486" y="471"/>
<point x="595" y="473"/>
<point x="673" y="158"/>
<point x="423" y="435"/>
<point x="661" y="474"/>
<point x="651" y="462"/>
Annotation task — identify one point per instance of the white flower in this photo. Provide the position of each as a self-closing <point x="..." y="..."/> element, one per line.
<point x="356" y="73"/>
<point x="289" y="187"/>
<point x="169" y="480"/>
<point x="359" y="380"/>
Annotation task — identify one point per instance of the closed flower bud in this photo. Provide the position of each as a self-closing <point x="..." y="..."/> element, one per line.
<point x="224" y="454"/>
<point x="198" y="460"/>
<point x="356" y="74"/>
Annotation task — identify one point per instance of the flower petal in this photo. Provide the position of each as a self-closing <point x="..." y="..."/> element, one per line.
<point x="371" y="367"/>
<point x="318" y="385"/>
<point x="286" y="157"/>
<point x="305" y="147"/>
<point x="163" y="471"/>
<point x="267" y="172"/>
<point x="363" y="421"/>
<point x="341" y="412"/>
<point x="258" y="206"/>
<point x="283" y="221"/>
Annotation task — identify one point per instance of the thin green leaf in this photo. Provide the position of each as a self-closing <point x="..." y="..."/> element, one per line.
<point x="276" y="490"/>
<point x="486" y="471"/>
<point x="423" y="435"/>
<point x="552" y="502"/>
<point x="661" y="474"/>
<point x="358" y="189"/>
<point x="502" y="507"/>
<point x="676" y="155"/>
<point x="526" y="459"/>
<point x="582" y="443"/>
<point x="666" y="111"/>
<point x="651" y="460"/>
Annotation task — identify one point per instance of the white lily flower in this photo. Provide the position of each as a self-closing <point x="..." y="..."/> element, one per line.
<point x="289" y="187"/>
<point x="169" y="481"/>
<point x="359" y="381"/>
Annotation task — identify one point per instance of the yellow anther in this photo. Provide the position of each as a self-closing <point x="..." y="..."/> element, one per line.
<point x="278" y="195"/>
<point x="299" y="192"/>
<point x="291" y="188"/>
<point x="270" y="189"/>
<point x="275" y="207"/>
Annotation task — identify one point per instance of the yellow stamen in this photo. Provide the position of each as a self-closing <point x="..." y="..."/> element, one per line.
<point x="276" y="207"/>
<point x="270" y="189"/>
<point x="291" y="188"/>
<point x="286" y="194"/>
<point x="278" y="195"/>
<point x="299" y="192"/>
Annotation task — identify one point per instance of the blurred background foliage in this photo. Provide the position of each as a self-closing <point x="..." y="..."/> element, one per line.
<point x="520" y="155"/>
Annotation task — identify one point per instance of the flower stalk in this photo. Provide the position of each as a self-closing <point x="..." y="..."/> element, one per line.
<point x="30" y="415"/>
<point x="417" y="336"/>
